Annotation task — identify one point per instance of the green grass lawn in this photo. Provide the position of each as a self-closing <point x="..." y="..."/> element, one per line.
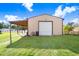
<point x="66" y="45"/>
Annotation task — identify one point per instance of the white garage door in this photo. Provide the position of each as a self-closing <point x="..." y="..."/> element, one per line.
<point x="45" y="28"/>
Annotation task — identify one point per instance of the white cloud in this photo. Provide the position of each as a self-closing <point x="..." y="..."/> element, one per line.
<point x="58" y="11"/>
<point x="28" y="6"/>
<point x="61" y="13"/>
<point x="76" y="20"/>
<point x="3" y="21"/>
<point x="12" y="18"/>
<point x="0" y="21"/>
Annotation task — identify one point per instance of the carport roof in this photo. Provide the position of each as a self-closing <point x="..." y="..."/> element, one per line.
<point x="23" y="23"/>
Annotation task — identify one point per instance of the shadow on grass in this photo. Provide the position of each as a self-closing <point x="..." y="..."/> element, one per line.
<point x="59" y="42"/>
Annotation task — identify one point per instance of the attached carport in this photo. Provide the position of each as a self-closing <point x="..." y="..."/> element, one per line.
<point x="22" y="23"/>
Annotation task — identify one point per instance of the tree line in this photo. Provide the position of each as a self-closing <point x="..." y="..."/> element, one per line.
<point x="3" y="25"/>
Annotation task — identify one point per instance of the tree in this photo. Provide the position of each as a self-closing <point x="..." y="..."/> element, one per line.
<point x="71" y="24"/>
<point x="76" y="25"/>
<point x="68" y="28"/>
<point x="13" y="26"/>
<point x="1" y="26"/>
<point x="6" y="25"/>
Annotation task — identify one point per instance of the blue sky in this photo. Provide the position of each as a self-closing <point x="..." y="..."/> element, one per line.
<point x="17" y="11"/>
